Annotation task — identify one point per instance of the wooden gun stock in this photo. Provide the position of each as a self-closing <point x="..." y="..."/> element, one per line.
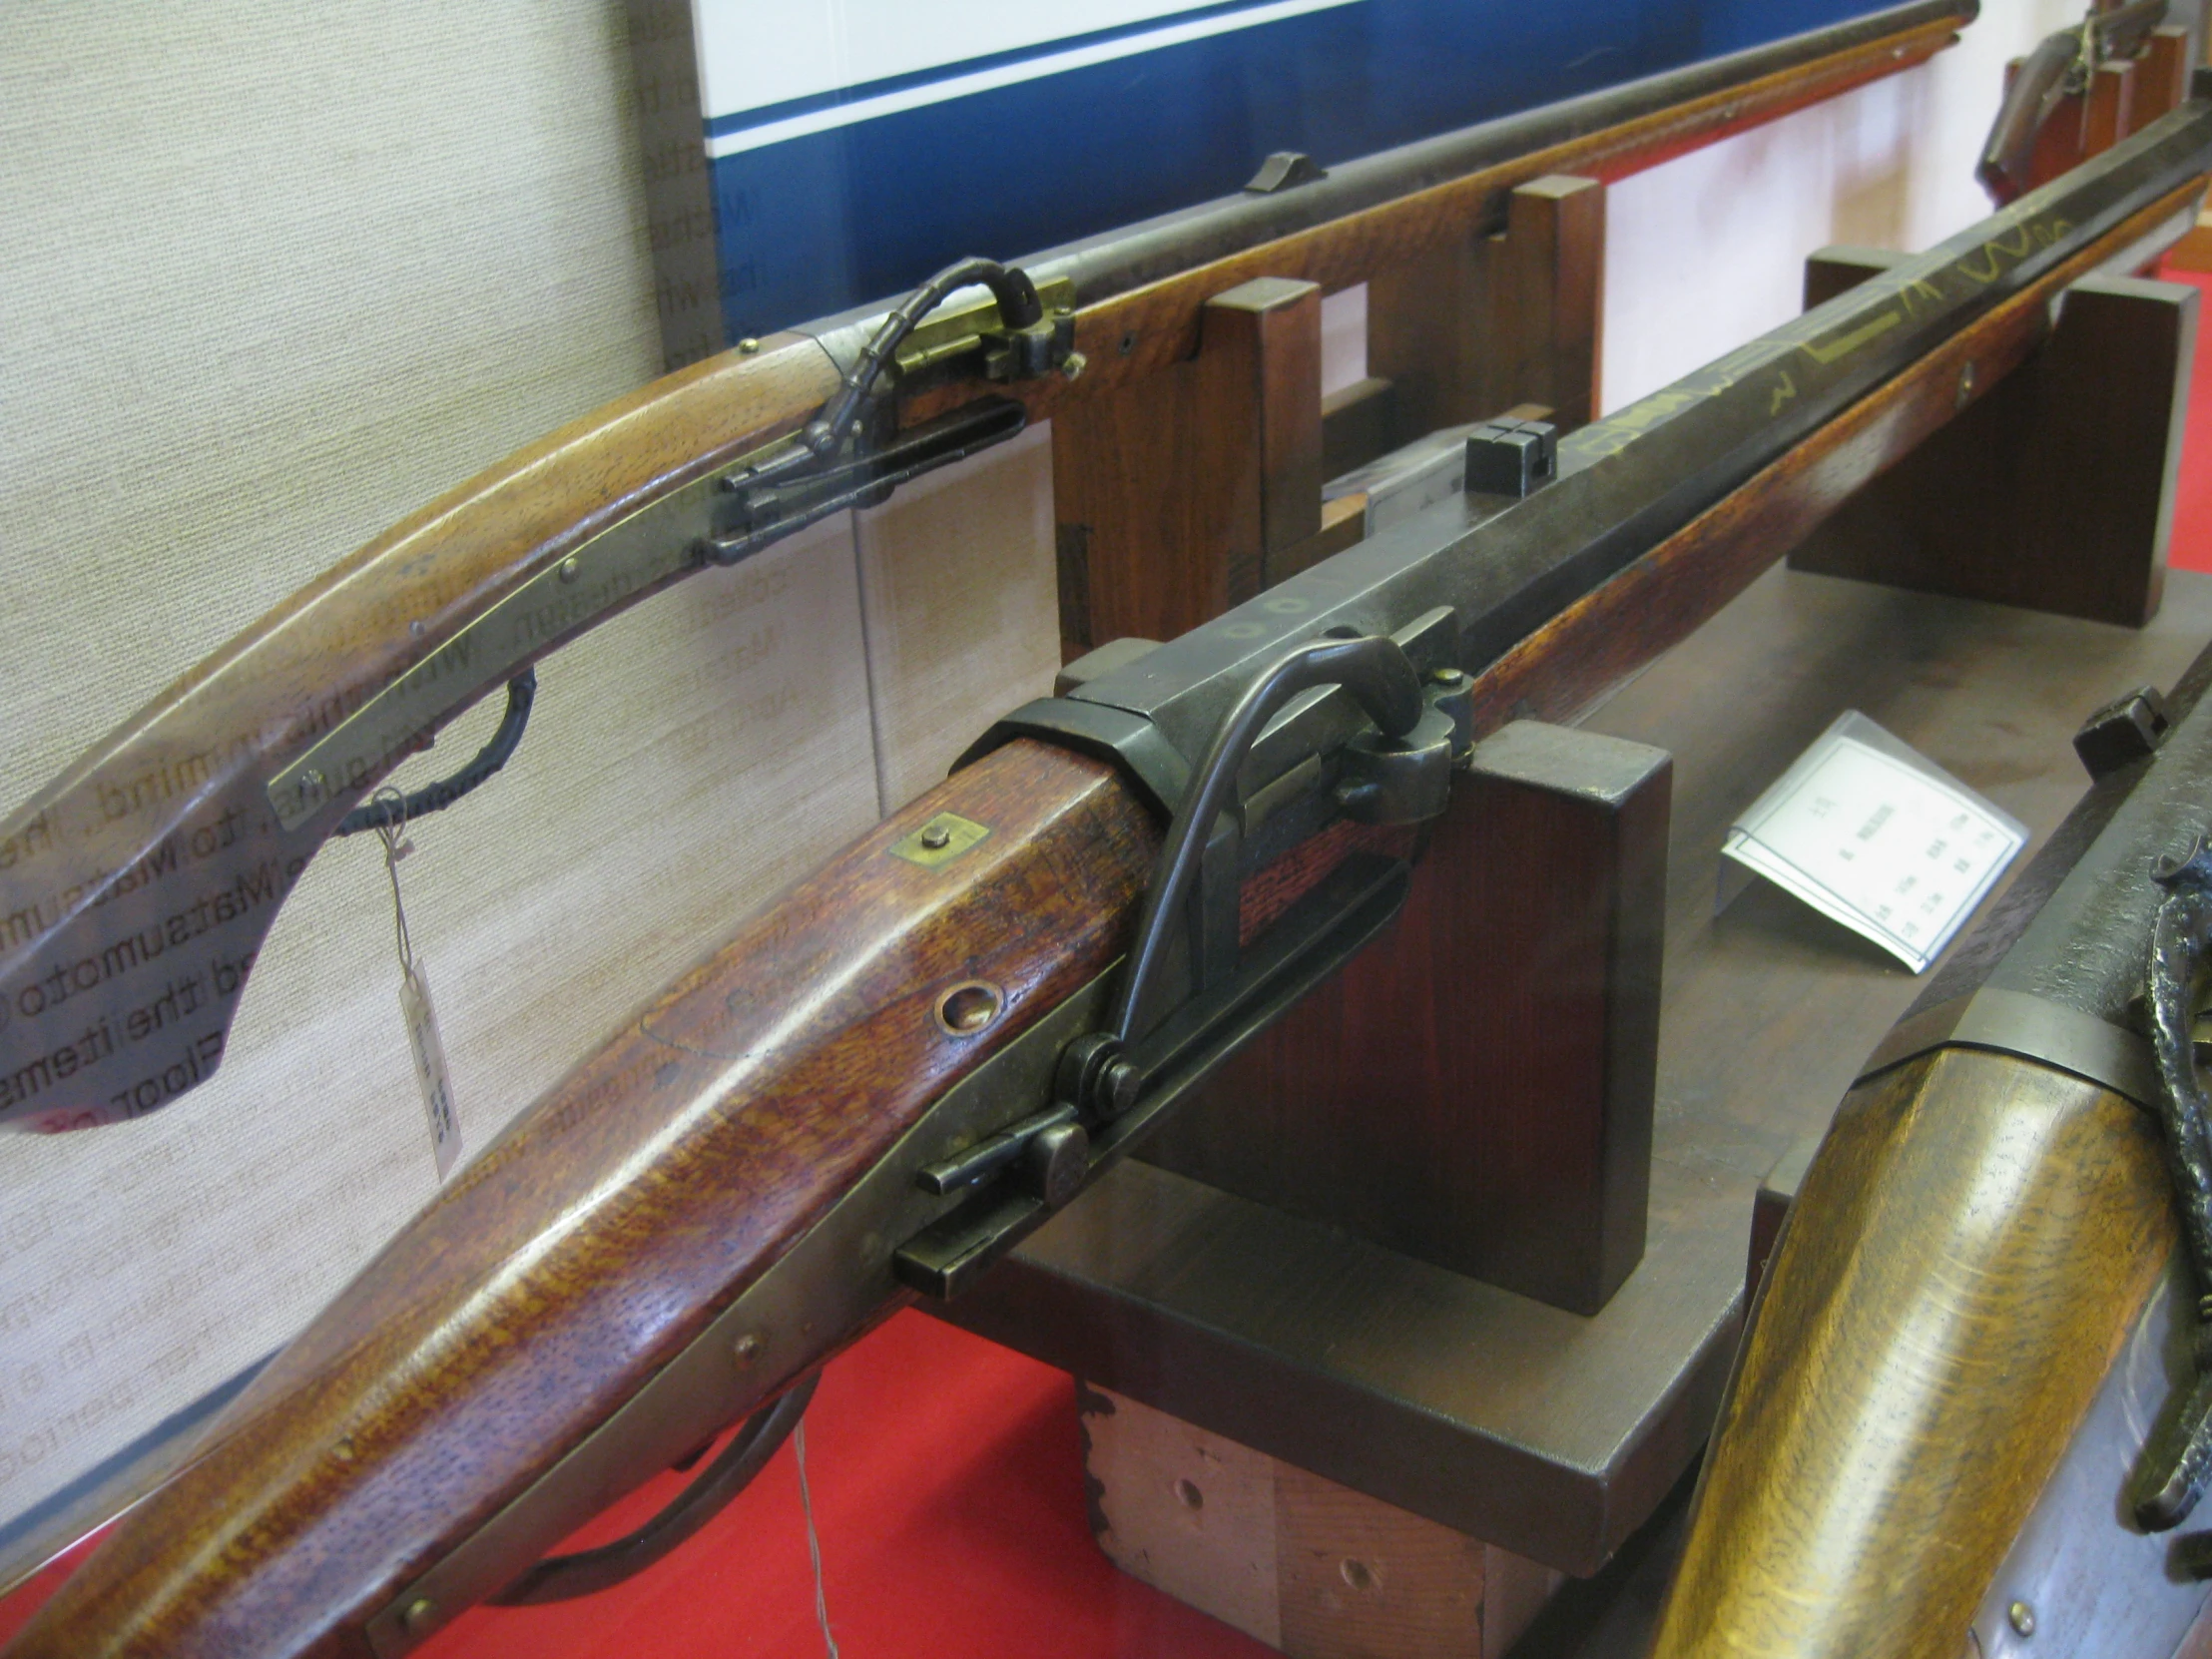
<point x="1978" y="1243"/>
<point x="1961" y="1265"/>
<point x="162" y="856"/>
<point x="590" y="1249"/>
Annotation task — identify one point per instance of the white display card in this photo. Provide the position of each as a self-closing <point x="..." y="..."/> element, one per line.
<point x="1876" y="837"/>
<point x="432" y="1075"/>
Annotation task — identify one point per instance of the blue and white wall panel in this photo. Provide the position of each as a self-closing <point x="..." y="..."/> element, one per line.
<point x="855" y="145"/>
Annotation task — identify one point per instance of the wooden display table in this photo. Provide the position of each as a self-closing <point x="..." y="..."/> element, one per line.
<point x="1543" y="1433"/>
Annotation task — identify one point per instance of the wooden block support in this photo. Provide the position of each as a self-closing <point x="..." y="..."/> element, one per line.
<point x="1177" y="497"/>
<point x="1466" y="329"/>
<point x="2052" y="491"/>
<point x="1310" y="1568"/>
<point x="1477" y="1091"/>
<point x="2111" y="114"/>
<point x="1191" y="490"/>
<point x="2161" y="73"/>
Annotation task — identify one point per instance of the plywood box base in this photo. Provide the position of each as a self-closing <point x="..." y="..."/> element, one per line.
<point x="1312" y="1569"/>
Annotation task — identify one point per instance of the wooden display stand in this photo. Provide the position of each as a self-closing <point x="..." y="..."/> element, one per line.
<point x="1195" y="489"/>
<point x="2055" y="491"/>
<point x="1293" y="1561"/>
<point x="1475" y="1092"/>
<point x="1474" y="1095"/>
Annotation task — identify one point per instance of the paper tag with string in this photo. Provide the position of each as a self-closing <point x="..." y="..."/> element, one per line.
<point x="415" y="1007"/>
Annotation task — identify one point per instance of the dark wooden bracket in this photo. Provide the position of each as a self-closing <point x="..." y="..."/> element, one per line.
<point x="1176" y="495"/>
<point x="2123" y="96"/>
<point x="1475" y="1090"/>
<point x="1193" y="489"/>
<point x="2055" y="490"/>
<point x="1475" y="326"/>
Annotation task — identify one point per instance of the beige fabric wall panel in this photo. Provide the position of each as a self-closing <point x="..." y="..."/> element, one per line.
<point x="959" y="588"/>
<point x="273" y="275"/>
<point x="270" y="278"/>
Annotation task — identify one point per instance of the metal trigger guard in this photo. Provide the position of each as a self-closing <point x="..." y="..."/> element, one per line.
<point x="498" y="749"/>
<point x="586" y="1571"/>
<point x="2177" y="1460"/>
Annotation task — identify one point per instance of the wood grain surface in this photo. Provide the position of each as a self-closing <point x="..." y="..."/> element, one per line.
<point x="1176" y="495"/>
<point x="1505" y="1133"/>
<point x="1312" y="1568"/>
<point x="1467" y="328"/>
<point x="554" y="1277"/>
<point x="1965" y="1256"/>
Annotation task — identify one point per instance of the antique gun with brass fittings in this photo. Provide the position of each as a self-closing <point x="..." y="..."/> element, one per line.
<point x="166" y="851"/>
<point x="896" y="1071"/>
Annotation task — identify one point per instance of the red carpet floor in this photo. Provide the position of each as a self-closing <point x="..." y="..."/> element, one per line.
<point x="948" y="1483"/>
<point x="2192" y="541"/>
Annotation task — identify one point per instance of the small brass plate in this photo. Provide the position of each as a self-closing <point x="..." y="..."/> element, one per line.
<point x="952" y="331"/>
<point x="941" y="840"/>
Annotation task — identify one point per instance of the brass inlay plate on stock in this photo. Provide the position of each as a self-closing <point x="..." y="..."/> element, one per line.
<point x="941" y="840"/>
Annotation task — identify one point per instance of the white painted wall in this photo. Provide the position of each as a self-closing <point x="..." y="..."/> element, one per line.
<point x="1709" y="250"/>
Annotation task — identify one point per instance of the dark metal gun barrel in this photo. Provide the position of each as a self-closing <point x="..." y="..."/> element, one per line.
<point x="1628" y="481"/>
<point x="1118" y="260"/>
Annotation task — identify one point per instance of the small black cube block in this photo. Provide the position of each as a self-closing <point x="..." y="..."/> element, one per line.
<point x="2126" y="729"/>
<point x="1511" y="457"/>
